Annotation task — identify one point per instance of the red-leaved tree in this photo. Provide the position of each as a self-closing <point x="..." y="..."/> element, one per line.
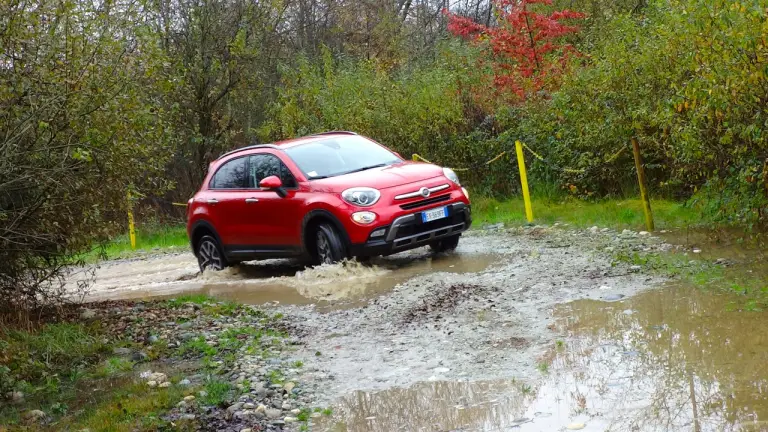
<point x="527" y="52"/>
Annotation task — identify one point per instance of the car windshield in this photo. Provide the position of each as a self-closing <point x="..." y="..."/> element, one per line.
<point x="338" y="156"/>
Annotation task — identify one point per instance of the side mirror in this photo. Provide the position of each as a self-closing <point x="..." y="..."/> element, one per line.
<point x="273" y="183"/>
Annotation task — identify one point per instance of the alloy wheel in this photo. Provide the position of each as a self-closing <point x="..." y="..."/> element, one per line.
<point x="324" y="248"/>
<point x="209" y="257"/>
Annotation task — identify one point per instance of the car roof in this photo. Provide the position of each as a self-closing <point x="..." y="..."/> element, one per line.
<point x="291" y="142"/>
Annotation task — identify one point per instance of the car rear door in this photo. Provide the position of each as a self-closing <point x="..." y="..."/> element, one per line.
<point x="276" y="220"/>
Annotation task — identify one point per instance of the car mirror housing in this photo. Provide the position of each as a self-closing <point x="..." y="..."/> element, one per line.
<point x="271" y="182"/>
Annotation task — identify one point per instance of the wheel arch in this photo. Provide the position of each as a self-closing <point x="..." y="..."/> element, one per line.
<point x="311" y="220"/>
<point x="200" y="229"/>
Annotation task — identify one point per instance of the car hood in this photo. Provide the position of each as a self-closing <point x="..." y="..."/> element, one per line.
<point x="381" y="178"/>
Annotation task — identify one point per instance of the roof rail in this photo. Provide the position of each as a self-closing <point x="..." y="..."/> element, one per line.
<point x="334" y="133"/>
<point x="272" y="146"/>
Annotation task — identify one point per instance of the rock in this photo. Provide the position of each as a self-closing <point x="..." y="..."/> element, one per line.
<point x="151" y="384"/>
<point x="152" y="339"/>
<point x="16" y="397"/>
<point x="185" y="325"/>
<point x="139" y="356"/>
<point x="575" y="426"/>
<point x="187" y="336"/>
<point x="185" y="382"/>
<point x="261" y="409"/>
<point x="290" y="419"/>
<point x="87" y="314"/>
<point x="246" y="430"/>
<point x="181" y="404"/>
<point x="696" y="251"/>
<point x="288" y="387"/>
<point x="187" y="417"/>
<point x="235" y="407"/>
<point x="635" y="268"/>
<point x="315" y="415"/>
<point x="613" y="297"/>
<point x="644" y="233"/>
<point x="122" y="351"/>
<point x="159" y="377"/>
<point x="278" y="423"/>
<point x="296" y="411"/>
<point x="202" y="393"/>
<point x="34" y="416"/>
<point x="594" y="229"/>
<point x="249" y="406"/>
<point x="286" y="406"/>
<point x="189" y="398"/>
<point x="273" y="413"/>
<point x="165" y="384"/>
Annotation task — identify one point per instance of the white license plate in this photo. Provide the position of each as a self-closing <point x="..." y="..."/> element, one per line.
<point x="434" y="214"/>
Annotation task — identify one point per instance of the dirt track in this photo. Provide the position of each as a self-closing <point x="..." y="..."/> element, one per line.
<point x="473" y="326"/>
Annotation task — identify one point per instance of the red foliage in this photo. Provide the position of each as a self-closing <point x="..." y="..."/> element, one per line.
<point x="526" y="55"/>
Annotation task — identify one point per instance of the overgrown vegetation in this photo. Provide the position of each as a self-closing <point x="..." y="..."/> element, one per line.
<point x="99" y="101"/>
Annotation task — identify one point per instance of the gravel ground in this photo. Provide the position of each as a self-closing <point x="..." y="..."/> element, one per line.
<point x="493" y="324"/>
<point x="435" y="325"/>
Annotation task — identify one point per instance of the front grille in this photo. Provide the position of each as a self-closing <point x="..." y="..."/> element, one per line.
<point x="425" y="202"/>
<point x="420" y="227"/>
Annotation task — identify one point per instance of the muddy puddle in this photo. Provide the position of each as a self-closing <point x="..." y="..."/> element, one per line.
<point x="348" y="284"/>
<point x="676" y="358"/>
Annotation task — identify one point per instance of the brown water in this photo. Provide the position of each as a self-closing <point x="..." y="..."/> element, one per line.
<point x="668" y="359"/>
<point x="284" y="281"/>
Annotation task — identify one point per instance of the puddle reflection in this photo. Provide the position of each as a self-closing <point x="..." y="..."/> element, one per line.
<point x="669" y="359"/>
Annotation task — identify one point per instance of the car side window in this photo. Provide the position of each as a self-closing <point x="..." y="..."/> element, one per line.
<point x="231" y="175"/>
<point x="262" y="166"/>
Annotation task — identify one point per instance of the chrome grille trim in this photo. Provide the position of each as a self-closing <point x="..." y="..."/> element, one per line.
<point x="418" y="193"/>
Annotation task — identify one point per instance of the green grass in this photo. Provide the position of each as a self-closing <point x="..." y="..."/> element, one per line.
<point x="148" y="238"/>
<point x="618" y="214"/>
<point x="217" y="392"/>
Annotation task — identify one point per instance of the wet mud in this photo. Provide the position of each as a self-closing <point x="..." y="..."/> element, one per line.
<point x="533" y="329"/>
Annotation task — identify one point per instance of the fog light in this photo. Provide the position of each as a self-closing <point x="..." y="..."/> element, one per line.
<point x="379" y="232"/>
<point x="364" y="217"/>
<point x="466" y="194"/>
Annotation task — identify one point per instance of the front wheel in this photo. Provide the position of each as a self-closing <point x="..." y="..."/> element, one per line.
<point x="328" y="245"/>
<point x="447" y="244"/>
<point x="209" y="255"/>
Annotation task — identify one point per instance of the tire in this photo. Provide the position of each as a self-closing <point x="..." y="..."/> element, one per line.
<point x="209" y="254"/>
<point x="329" y="248"/>
<point x="447" y="244"/>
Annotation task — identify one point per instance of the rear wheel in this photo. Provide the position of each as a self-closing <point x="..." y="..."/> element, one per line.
<point x="209" y="255"/>
<point x="447" y="244"/>
<point x="329" y="248"/>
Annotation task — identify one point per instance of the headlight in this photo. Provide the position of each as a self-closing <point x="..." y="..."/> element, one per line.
<point x="451" y="175"/>
<point x="361" y="196"/>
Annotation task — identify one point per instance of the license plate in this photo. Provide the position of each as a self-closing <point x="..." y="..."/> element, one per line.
<point x="434" y="214"/>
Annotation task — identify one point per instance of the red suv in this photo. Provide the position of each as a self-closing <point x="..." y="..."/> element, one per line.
<point x="327" y="197"/>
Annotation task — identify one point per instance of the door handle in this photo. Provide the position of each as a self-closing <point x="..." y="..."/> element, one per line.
<point x="251" y="200"/>
<point x="212" y="201"/>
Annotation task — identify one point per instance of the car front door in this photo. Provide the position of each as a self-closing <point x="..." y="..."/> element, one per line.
<point x="276" y="220"/>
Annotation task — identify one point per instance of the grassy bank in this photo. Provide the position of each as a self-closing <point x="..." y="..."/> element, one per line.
<point x="615" y="213"/>
<point x="148" y="239"/>
<point x="92" y="368"/>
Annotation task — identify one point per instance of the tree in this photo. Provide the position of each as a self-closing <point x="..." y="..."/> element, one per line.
<point x="525" y="47"/>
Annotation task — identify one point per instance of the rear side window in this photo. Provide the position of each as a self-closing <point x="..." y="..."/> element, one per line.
<point x="231" y="175"/>
<point x="262" y="166"/>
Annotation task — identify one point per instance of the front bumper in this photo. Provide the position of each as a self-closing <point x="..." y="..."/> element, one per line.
<point x="409" y="232"/>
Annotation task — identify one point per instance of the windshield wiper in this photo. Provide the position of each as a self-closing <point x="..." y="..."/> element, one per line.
<point x="366" y="168"/>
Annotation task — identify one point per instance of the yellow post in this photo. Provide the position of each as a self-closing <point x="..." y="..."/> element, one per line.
<point x="643" y="187"/>
<point x="131" y="227"/>
<point x="415" y="157"/>
<point x="524" y="181"/>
